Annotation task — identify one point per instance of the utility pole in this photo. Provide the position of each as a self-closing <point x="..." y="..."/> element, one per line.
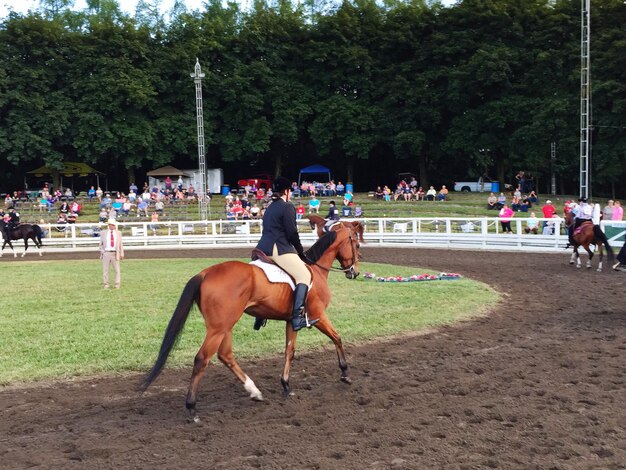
<point x="552" y="162"/>
<point x="202" y="193"/>
<point x="585" y="97"/>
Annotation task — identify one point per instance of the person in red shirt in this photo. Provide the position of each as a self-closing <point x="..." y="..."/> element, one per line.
<point x="300" y="211"/>
<point x="548" y="210"/>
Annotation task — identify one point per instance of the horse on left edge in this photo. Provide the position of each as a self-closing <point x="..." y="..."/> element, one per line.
<point x="22" y="231"/>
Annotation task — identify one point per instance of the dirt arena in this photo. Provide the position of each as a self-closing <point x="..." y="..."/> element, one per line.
<point x="539" y="384"/>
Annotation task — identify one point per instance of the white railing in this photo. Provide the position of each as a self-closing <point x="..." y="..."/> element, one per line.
<point x="479" y="233"/>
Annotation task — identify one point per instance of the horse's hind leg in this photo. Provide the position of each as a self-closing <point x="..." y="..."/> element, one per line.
<point x="201" y="362"/>
<point x="25" y="247"/>
<point x="600" y="257"/>
<point x="326" y="327"/>
<point x="225" y="354"/>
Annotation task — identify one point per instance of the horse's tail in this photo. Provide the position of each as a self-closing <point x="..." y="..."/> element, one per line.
<point x="38" y="233"/>
<point x="600" y="235"/>
<point x="177" y="322"/>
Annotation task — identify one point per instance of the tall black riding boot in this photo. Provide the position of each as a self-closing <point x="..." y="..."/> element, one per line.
<point x="298" y="319"/>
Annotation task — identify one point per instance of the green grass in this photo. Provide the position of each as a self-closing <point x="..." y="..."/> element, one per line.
<point x="58" y="322"/>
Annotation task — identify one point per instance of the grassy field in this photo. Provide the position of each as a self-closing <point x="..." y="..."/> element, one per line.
<point x="459" y="205"/>
<point x="58" y="322"/>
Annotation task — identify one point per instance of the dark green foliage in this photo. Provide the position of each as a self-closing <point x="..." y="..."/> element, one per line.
<point x="483" y="86"/>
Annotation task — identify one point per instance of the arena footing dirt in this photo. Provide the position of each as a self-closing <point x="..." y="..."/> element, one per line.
<point x="538" y="384"/>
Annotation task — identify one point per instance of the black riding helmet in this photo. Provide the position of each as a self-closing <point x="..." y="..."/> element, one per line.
<point x="280" y="184"/>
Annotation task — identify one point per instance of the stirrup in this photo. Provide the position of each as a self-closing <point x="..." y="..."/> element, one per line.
<point x="259" y="323"/>
<point x="302" y="321"/>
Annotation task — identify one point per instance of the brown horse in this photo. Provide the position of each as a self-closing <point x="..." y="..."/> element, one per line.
<point x="587" y="234"/>
<point x="225" y="291"/>
<point x="317" y="222"/>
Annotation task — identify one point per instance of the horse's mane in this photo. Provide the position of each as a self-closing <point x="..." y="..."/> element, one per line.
<point x="321" y="245"/>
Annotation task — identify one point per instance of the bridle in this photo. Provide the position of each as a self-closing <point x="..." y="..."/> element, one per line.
<point x="350" y="269"/>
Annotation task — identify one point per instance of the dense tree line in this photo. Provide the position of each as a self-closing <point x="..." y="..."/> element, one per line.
<point x="368" y="88"/>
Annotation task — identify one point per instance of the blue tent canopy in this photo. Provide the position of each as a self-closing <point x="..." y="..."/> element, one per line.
<point x="314" y="169"/>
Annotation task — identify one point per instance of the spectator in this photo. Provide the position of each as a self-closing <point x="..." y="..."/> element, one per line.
<point x="532" y="224"/>
<point x="65" y="208"/>
<point x="299" y="211"/>
<point x="340" y="188"/>
<point x="168" y="183"/>
<point x="158" y="207"/>
<point x="406" y="192"/>
<point x="347" y="198"/>
<point x="132" y="195"/>
<point x="532" y="197"/>
<point x="506" y="214"/>
<point x="378" y="194"/>
<point x="501" y="201"/>
<point x="99" y="194"/>
<point x="91" y="193"/>
<point x="314" y="205"/>
<point x="443" y="193"/>
<point x="154" y="219"/>
<point x="132" y="188"/>
<point x="550" y="225"/>
<point x="386" y="193"/>
<point x="618" y="211"/>
<point x="142" y="207"/>
<point x="420" y="194"/>
<point x="548" y="209"/>
<point x="255" y="211"/>
<point x="179" y="183"/>
<point x="103" y="215"/>
<point x="75" y="207"/>
<point x="346" y="211"/>
<point x="492" y="201"/>
<point x="431" y="194"/>
<point x="607" y="212"/>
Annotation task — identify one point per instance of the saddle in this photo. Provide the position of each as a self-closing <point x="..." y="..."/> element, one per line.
<point x="273" y="272"/>
<point x="579" y="230"/>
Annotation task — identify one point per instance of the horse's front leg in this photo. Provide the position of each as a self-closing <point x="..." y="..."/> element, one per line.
<point x="572" y="258"/>
<point x="290" y="349"/>
<point x="590" y="256"/>
<point x="326" y="327"/>
<point x="577" y="257"/>
<point x="225" y="354"/>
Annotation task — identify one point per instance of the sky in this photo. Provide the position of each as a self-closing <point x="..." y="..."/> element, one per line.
<point x="22" y="6"/>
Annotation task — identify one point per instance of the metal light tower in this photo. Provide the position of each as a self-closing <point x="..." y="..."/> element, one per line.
<point x="202" y="199"/>
<point x="585" y="97"/>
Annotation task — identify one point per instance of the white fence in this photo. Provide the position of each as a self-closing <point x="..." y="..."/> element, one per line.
<point x="479" y="233"/>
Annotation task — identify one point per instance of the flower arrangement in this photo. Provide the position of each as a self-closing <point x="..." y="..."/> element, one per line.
<point x="413" y="278"/>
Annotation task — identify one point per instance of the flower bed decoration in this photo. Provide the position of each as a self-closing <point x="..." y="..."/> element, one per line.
<point x="414" y="277"/>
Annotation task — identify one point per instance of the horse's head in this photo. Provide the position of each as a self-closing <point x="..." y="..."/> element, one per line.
<point x="348" y="249"/>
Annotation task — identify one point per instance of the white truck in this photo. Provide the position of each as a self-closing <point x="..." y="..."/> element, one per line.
<point x="477" y="186"/>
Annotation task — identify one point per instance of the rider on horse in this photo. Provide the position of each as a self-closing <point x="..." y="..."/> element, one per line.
<point x="280" y="242"/>
<point x="14" y="219"/>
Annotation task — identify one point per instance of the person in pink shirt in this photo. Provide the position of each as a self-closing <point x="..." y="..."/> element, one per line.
<point x="506" y="214"/>
<point x="618" y="211"/>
